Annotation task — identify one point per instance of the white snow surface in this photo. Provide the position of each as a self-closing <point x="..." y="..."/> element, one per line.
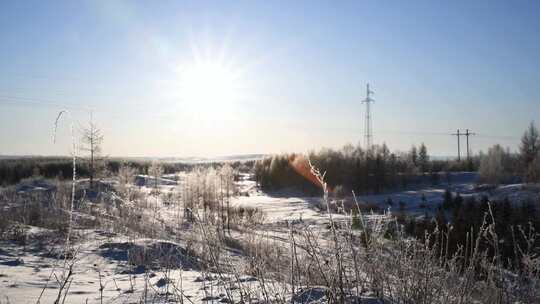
<point x="25" y="274"/>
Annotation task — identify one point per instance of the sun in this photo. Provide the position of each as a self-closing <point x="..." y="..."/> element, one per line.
<point x="210" y="83"/>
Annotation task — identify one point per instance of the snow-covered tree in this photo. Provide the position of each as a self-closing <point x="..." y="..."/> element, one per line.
<point x="494" y="166"/>
<point x="227" y="178"/>
<point x="126" y="176"/>
<point x="530" y="144"/>
<point x="156" y="170"/>
<point x="92" y="138"/>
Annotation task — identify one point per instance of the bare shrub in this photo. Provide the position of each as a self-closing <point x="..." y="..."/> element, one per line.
<point x="246" y="216"/>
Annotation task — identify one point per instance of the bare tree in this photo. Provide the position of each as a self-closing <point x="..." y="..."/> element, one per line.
<point x="155" y="171"/>
<point x="92" y="138"/>
<point x="126" y="176"/>
<point x="227" y="175"/>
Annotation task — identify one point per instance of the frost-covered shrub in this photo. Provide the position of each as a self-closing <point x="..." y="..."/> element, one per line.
<point x="496" y="166"/>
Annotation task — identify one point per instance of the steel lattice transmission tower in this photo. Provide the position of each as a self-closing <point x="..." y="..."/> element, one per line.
<point x="368" y="135"/>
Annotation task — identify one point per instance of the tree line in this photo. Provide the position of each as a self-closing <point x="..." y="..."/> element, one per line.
<point x="500" y="165"/>
<point x="91" y="163"/>
<point x="461" y="219"/>
<point x="377" y="169"/>
<point x="14" y="170"/>
<point x="361" y="170"/>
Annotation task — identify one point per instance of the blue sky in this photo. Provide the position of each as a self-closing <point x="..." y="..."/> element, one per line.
<point x="435" y="66"/>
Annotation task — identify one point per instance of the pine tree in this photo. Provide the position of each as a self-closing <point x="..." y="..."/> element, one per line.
<point x="530" y="145"/>
<point x="423" y="158"/>
<point x="414" y="156"/>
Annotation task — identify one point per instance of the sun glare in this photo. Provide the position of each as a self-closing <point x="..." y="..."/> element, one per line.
<point x="209" y="84"/>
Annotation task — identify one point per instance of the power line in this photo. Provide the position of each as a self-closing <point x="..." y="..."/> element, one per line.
<point x="504" y="137"/>
<point x="31" y="101"/>
<point x="55" y="103"/>
<point x="413" y="132"/>
<point x="17" y="101"/>
<point x="51" y="91"/>
<point x="427" y="133"/>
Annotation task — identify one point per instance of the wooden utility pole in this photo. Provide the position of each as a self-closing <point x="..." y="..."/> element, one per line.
<point x="467" y="134"/>
<point x="458" y="145"/>
<point x="458" y="134"/>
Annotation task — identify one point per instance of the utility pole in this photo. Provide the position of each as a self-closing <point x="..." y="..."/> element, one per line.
<point x="368" y="135"/>
<point x="458" y="147"/>
<point x="467" y="134"/>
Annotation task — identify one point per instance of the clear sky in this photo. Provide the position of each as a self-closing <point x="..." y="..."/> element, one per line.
<point x="176" y="78"/>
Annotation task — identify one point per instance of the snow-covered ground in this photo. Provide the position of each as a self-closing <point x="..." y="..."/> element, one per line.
<point x="29" y="272"/>
<point x="281" y="207"/>
<point x="32" y="272"/>
<point x="290" y="205"/>
<point x="427" y="198"/>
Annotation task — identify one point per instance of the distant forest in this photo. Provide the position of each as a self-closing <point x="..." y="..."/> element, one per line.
<point x="364" y="171"/>
<point x="377" y="169"/>
<point x="14" y="170"/>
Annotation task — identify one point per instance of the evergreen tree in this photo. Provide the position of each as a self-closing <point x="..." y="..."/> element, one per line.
<point x="530" y="145"/>
<point x="423" y="158"/>
<point x="414" y="155"/>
